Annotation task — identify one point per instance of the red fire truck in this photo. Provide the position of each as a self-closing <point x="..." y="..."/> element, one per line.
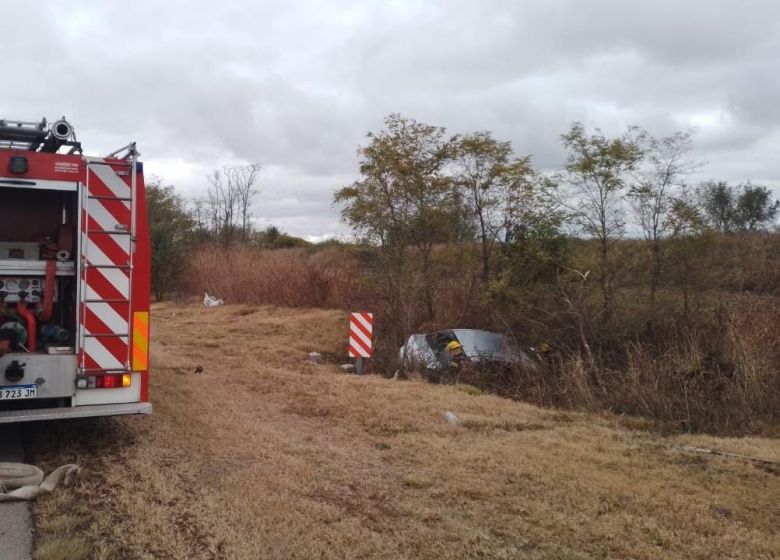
<point x="74" y="277"/>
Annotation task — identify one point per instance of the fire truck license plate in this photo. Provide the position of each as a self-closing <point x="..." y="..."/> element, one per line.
<point x="12" y="392"/>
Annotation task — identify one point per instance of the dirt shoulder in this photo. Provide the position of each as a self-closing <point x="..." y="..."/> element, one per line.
<point x="263" y="455"/>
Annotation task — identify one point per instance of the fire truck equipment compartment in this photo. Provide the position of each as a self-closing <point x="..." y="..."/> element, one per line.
<point x="74" y="276"/>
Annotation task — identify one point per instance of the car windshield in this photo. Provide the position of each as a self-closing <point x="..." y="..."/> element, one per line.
<point x="484" y="344"/>
<point x="476" y="344"/>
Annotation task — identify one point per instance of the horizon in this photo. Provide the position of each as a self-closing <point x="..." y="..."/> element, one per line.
<point x="295" y="88"/>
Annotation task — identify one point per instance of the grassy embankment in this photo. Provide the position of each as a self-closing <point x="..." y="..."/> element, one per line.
<point x="266" y="456"/>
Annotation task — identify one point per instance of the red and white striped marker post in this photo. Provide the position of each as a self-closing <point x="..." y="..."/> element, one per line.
<point x="361" y="329"/>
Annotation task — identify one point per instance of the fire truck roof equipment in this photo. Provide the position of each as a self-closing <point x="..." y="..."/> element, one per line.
<point x="39" y="136"/>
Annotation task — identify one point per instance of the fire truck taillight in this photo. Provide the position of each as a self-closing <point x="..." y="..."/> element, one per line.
<point x="106" y="381"/>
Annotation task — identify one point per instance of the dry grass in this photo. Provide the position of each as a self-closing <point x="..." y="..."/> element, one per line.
<point x="69" y="548"/>
<point x="290" y="277"/>
<point x="266" y="456"/>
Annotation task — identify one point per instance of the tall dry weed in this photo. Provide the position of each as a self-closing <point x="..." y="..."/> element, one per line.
<point x="717" y="372"/>
<point x="287" y="277"/>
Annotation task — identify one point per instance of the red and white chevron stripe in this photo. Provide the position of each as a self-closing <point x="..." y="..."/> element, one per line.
<point x="105" y="250"/>
<point x="360" y="333"/>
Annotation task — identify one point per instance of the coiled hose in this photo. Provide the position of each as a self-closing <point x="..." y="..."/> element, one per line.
<point x="19" y="481"/>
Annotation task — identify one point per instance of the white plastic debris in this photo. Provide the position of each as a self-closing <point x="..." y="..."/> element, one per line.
<point x="211" y="301"/>
<point x="451" y="418"/>
<point x="315" y="358"/>
<point x="348" y="368"/>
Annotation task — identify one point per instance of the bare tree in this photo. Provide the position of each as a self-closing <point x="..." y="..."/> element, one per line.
<point x="573" y="296"/>
<point x="229" y="198"/>
<point x="688" y="228"/>
<point x="596" y="170"/>
<point x="658" y="184"/>
<point x="244" y="178"/>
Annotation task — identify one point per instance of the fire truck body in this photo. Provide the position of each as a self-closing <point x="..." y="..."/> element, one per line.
<point x="74" y="277"/>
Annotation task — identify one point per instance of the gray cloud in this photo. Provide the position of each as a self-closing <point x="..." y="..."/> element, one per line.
<point x="295" y="87"/>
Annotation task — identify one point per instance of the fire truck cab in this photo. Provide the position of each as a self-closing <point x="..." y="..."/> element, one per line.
<point x="74" y="277"/>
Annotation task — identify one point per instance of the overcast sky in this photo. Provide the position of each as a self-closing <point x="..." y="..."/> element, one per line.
<point x="295" y="86"/>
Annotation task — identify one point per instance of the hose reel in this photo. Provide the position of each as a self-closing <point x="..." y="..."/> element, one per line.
<point x="62" y="130"/>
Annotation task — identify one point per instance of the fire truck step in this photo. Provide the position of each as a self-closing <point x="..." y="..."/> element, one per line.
<point x="100" y="197"/>
<point x="122" y="267"/>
